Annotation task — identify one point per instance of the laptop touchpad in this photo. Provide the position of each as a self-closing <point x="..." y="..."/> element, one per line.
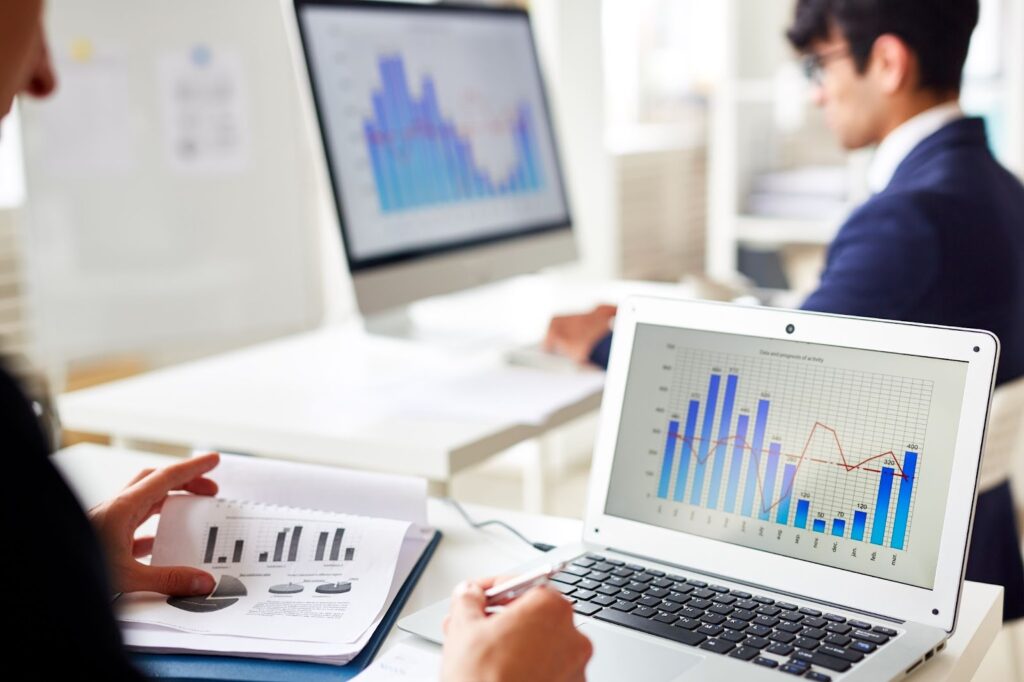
<point x="621" y="655"/>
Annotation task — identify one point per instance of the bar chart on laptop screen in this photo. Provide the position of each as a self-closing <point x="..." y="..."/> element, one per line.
<point x="829" y="454"/>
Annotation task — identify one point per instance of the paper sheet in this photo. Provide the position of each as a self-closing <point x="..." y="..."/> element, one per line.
<point x="312" y="486"/>
<point x="204" y="110"/>
<point x="407" y="662"/>
<point x="283" y="573"/>
<point x="144" y="637"/>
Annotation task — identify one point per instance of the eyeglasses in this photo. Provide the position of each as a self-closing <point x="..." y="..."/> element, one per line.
<point x="814" y="63"/>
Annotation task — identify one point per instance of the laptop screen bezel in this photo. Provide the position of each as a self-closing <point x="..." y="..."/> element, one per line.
<point x="936" y="606"/>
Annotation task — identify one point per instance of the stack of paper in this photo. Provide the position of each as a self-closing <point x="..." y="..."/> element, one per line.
<point x="809" y="192"/>
<point x="307" y="560"/>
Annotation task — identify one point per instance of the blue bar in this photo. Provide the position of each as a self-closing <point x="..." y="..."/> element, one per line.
<point x="684" y="451"/>
<point x="755" y="457"/>
<point x="838" y="527"/>
<point x="882" y="507"/>
<point x="723" y="438"/>
<point x="788" y="474"/>
<point x="666" y="465"/>
<point x="859" y="520"/>
<point x="705" y="439"/>
<point x="899" y="524"/>
<point x="802" y="507"/>
<point x="818" y="526"/>
<point x="768" y="491"/>
<point x="739" y="441"/>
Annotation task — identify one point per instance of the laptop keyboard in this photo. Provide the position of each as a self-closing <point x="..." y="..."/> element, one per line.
<point x="775" y="634"/>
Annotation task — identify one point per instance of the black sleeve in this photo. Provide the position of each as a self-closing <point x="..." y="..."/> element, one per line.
<point x="57" y="575"/>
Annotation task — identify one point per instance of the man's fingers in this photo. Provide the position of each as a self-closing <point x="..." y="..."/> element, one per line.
<point x="155" y="487"/>
<point x="142" y="546"/>
<point x="468" y="603"/>
<point x="139" y="476"/>
<point x="201" y="486"/>
<point x="175" y="581"/>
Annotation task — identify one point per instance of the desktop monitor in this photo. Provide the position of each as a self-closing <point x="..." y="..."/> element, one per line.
<point x="439" y="145"/>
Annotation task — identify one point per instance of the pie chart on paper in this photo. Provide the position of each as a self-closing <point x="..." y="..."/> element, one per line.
<point x="228" y="591"/>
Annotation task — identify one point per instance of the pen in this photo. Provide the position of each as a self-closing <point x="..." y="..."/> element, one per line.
<point x="506" y="591"/>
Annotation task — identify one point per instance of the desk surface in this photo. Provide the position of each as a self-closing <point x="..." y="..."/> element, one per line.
<point x="96" y="473"/>
<point x="324" y="396"/>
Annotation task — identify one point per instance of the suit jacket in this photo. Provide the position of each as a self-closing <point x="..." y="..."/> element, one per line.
<point x="59" y="600"/>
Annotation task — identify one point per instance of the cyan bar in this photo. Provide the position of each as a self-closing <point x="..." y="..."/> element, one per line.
<point x="666" y="464"/>
<point x="818" y="526"/>
<point x="383" y="191"/>
<point x="899" y="524"/>
<point x="860" y="519"/>
<point x="684" y="451"/>
<point x="788" y="476"/>
<point x="882" y="507"/>
<point x="768" y="490"/>
<point x="755" y="457"/>
<point x="802" y="508"/>
<point x="838" y="527"/>
<point x="721" y="447"/>
<point x="705" y="439"/>
<point x="739" y="442"/>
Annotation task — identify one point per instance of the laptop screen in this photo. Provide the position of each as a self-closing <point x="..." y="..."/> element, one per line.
<point x="833" y="455"/>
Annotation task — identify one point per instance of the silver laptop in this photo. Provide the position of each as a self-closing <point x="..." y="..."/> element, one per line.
<point x="775" y="492"/>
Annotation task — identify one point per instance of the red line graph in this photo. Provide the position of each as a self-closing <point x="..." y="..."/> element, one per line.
<point x="737" y="440"/>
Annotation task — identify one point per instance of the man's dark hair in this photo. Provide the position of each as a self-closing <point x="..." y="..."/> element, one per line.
<point x="937" y="31"/>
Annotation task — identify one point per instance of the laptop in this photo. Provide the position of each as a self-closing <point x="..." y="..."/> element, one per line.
<point x="774" y="492"/>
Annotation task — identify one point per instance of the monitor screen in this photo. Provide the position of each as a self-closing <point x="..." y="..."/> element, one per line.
<point x="435" y="125"/>
<point x="833" y="455"/>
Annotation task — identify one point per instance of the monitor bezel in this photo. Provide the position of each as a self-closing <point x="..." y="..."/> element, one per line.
<point x="360" y="265"/>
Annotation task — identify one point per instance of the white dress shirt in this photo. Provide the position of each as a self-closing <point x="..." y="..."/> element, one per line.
<point x="901" y="141"/>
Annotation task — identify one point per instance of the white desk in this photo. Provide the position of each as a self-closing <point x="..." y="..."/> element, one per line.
<point x="96" y="473"/>
<point x="316" y="397"/>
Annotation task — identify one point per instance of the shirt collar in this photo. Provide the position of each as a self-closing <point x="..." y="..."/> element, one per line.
<point x="898" y="144"/>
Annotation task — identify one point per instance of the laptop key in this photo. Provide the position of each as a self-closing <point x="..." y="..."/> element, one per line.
<point x="863" y="647"/>
<point x="791" y="628"/>
<point x="710" y="630"/>
<point x="859" y="624"/>
<point x="818" y="677"/>
<point x="805" y="643"/>
<point x="841" y="640"/>
<point x="758" y="630"/>
<point x="784" y="637"/>
<point x="839" y="652"/>
<point x="688" y="623"/>
<point x="821" y="660"/>
<point x="599" y="576"/>
<point x="651" y="627"/>
<point x="655" y="572"/>
<point x="885" y="631"/>
<point x="766" y="662"/>
<point x="719" y="646"/>
<point x="585" y="608"/>
<point x="733" y="636"/>
<point x="670" y="606"/>
<point x="786" y="606"/>
<point x="603" y="567"/>
<point x="675" y="577"/>
<point x="585" y="563"/>
<point x="565" y="578"/>
<point x="648" y="601"/>
<point x="608" y="590"/>
<point x="815" y="622"/>
<point x="791" y="616"/>
<point x="747" y="604"/>
<point x="793" y="669"/>
<point x="644" y="611"/>
<point x="703" y="594"/>
<point x="628" y="595"/>
<point x="743" y="614"/>
<point x="766" y="621"/>
<point x="769" y="610"/>
<point x="810" y="612"/>
<point x="616" y="582"/>
<point x="658" y="592"/>
<point x="814" y="633"/>
<point x="603" y="600"/>
<point x="735" y="624"/>
<point x="835" y="617"/>
<point x="697" y="583"/>
<point x="583" y="595"/>
<point x="666" y="618"/>
<point x="780" y="649"/>
<point x="741" y="595"/>
<point x="622" y="573"/>
<point x="624" y="606"/>
<point x="593" y="557"/>
<point x="615" y="562"/>
<point x="637" y="587"/>
<point x="756" y="642"/>
<point x="588" y="584"/>
<point x="682" y="588"/>
<point x="634" y="567"/>
<point x="873" y="637"/>
<point x="661" y="582"/>
<point x="727" y="599"/>
<point x="577" y="570"/>
<point x="691" y="612"/>
<point x="745" y="653"/>
<point x="713" y="618"/>
<point x="721" y="609"/>
<point x="838" y="628"/>
<point x="699" y="604"/>
<point x="643" y="577"/>
<point x="764" y="600"/>
<point x="721" y="589"/>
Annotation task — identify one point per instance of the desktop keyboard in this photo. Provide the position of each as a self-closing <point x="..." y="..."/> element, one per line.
<point x="776" y="634"/>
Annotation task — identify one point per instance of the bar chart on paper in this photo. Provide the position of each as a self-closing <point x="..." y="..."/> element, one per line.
<point x="833" y="452"/>
<point x="266" y="543"/>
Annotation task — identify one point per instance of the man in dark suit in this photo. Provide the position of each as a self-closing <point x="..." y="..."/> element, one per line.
<point x="59" y="595"/>
<point x="941" y="241"/>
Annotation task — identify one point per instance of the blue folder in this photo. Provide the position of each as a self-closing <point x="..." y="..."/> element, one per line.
<point x="198" y="667"/>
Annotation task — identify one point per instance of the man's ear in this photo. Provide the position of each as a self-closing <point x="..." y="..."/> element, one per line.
<point x="893" y="65"/>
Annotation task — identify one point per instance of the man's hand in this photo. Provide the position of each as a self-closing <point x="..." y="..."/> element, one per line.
<point x="116" y="521"/>
<point x="533" y="638"/>
<point x="574" y="336"/>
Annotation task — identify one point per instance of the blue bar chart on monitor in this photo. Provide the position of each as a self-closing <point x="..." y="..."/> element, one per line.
<point x="723" y="451"/>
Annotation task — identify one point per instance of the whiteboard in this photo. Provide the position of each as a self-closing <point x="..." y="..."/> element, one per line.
<point x="170" y="182"/>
